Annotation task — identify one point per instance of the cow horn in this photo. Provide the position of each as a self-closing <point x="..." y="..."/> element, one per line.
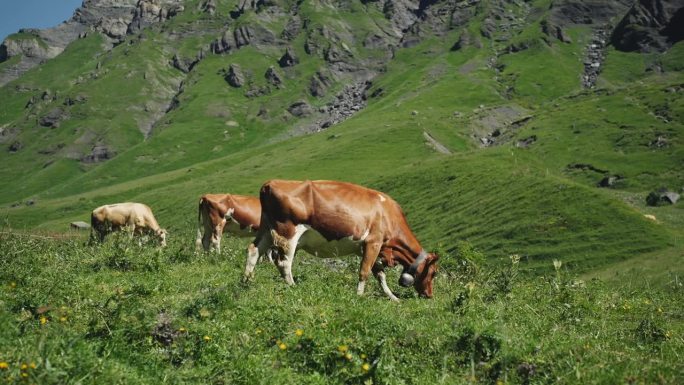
<point x="409" y="275"/>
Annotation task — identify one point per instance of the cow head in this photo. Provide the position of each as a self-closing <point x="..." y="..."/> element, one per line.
<point x="161" y="234"/>
<point x="420" y="273"/>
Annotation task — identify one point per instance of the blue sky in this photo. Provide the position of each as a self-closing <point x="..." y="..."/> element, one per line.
<point x="16" y="14"/>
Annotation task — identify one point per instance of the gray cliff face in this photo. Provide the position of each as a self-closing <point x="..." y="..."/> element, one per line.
<point x="113" y="18"/>
<point x="650" y="25"/>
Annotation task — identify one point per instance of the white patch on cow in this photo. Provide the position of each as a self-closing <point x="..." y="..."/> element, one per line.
<point x="233" y="226"/>
<point x="315" y="244"/>
<point x="382" y="198"/>
<point x="361" y="287"/>
<point x="385" y="288"/>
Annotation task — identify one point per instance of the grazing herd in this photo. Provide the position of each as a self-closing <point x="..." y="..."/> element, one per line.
<point x="323" y="218"/>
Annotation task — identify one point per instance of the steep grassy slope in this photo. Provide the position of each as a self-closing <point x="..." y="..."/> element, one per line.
<point x="176" y="135"/>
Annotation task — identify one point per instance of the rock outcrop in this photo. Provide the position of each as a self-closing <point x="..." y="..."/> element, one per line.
<point x="234" y="76"/>
<point x="113" y="18"/>
<point x="650" y="25"/>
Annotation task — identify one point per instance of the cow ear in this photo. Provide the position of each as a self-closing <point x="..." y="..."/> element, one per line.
<point x="433" y="257"/>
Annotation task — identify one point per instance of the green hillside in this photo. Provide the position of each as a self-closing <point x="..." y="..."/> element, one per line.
<point x="503" y="128"/>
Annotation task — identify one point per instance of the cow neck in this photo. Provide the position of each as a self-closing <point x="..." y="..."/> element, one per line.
<point x="407" y="257"/>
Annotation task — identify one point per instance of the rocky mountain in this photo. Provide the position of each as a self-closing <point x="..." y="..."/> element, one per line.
<point x="112" y="18"/>
<point x="650" y="26"/>
<point x="135" y="97"/>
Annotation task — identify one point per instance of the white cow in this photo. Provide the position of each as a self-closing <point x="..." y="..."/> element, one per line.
<point x="134" y="218"/>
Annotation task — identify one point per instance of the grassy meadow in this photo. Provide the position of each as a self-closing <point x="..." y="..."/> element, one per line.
<point x="120" y="313"/>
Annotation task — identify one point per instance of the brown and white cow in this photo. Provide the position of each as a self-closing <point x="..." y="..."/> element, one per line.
<point x="134" y="218"/>
<point x="328" y="218"/>
<point x="218" y="213"/>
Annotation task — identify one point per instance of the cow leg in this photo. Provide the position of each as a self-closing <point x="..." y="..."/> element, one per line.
<point x="378" y="271"/>
<point x="258" y="247"/>
<point x="198" y="241"/>
<point x="290" y="248"/>
<point x="216" y="234"/>
<point x="370" y="254"/>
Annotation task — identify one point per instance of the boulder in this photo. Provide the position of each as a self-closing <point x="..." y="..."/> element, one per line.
<point x="609" y="181"/>
<point x="224" y="44"/>
<point x="300" y="109"/>
<point x="319" y="84"/>
<point x="186" y="64"/>
<point x="555" y="31"/>
<point x="661" y="197"/>
<point x="292" y="28"/>
<point x="208" y="6"/>
<point x="15" y="146"/>
<point x="288" y="59"/>
<point x="79" y="225"/>
<point x="30" y="102"/>
<point x="53" y="118"/>
<point x="272" y="77"/>
<point x="98" y="154"/>
<point x="243" y="36"/>
<point x="526" y="142"/>
<point x="258" y="91"/>
<point x="234" y="76"/>
<point x="488" y="28"/>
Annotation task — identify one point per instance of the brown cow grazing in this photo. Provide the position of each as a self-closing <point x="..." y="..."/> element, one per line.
<point x="328" y="218"/>
<point x="242" y="214"/>
<point x="134" y="218"/>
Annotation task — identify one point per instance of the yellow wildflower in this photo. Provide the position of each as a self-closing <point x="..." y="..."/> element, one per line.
<point x="4" y="365"/>
<point x="365" y="367"/>
<point x="207" y="338"/>
<point x="62" y="319"/>
<point x="24" y="374"/>
<point x="348" y="356"/>
<point x="342" y="348"/>
<point x="43" y="320"/>
<point x="23" y="367"/>
<point x="13" y="284"/>
<point x="299" y="332"/>
<point x="282" y="346"/>
<point x="363" y="356"/>
<point x="470" y="286"/>
<point x="182" y="329"/>
<point x="32" y="365"/>
<point x="258" y="331"/>
<point x="499" y="382"/>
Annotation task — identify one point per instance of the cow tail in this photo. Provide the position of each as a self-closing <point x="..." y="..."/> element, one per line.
<point x="93" y="223"/>
<point x="198" y="241"/>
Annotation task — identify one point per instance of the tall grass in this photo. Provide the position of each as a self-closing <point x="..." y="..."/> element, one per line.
<point x="122" y="313"/>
